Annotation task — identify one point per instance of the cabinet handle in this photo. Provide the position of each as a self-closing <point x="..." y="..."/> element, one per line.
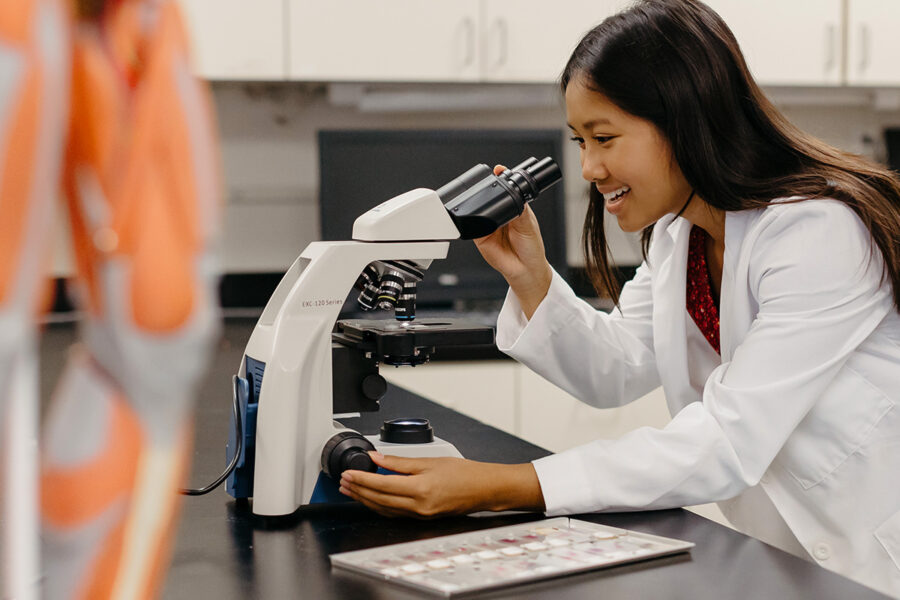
<point x="502" y="32"/>
<point x="469" y="33"/>
<point x="864" y="44"/>
<point x="504" y="48"/>
<point x="830" y="56"/>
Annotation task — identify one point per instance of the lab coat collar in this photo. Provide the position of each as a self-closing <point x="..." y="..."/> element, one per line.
<point x="730" y="330"/>
<point x="668" y="261"/>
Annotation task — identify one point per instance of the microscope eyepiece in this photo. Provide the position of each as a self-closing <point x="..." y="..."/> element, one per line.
<point x="456" y="187"/>
<point x="480" y="202"/>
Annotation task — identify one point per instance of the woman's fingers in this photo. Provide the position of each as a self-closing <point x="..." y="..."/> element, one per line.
<point x="399" y="464"/>
<point x="397" y="485"/>
<point x="499" y="169"/>
<point x="379" y="501"/>
<point x="422" y="493"/>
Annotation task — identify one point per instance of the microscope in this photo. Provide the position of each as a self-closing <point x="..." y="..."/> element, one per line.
<point x="301" y="366"/>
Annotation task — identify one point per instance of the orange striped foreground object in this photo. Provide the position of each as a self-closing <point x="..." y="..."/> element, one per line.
<point x="98" y="98"/>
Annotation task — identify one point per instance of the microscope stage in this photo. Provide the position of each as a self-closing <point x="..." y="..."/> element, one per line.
<point x="410" y="342"/>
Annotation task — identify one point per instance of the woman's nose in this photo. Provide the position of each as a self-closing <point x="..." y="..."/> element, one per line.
<point x="592" y="167"/>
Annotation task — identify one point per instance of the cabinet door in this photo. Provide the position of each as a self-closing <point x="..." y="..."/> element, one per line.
<point x="236" y="39"/>
<point x="384" y="40"/>
<point x="484" y="390"/>
<point x="787" y="43"/>
<point x="553" y="419"/>
<point x="529" y="41"/>
<point x="873" y="43"/>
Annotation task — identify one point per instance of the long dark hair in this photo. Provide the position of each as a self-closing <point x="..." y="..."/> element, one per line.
<point x="677" y="65"/>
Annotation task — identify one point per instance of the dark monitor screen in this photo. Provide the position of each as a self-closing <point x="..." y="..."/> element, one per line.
<point x="360" y="169"/>
<point x="892" y="143"/>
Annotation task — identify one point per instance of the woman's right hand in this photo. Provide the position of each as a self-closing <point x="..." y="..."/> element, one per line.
<point x="516" y="250"/>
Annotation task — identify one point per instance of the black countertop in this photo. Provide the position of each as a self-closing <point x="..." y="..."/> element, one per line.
<point x="223" y="551"/>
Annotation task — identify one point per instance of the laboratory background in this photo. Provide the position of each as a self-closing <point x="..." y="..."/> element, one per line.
<point x="283" y="71"/>
<point x="326" y="109"/>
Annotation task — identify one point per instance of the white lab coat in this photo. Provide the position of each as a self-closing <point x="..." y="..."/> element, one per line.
<point x="795" y="428"/>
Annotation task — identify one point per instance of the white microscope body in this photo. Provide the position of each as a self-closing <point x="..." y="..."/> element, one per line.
<point x="286" y="371"/>
<point x="293" y="339"/>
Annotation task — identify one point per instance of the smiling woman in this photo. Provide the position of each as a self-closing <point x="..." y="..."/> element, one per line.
<point x="626" y="158"/>
<point x="676" y="68"/>
<point x="766" y="307"/>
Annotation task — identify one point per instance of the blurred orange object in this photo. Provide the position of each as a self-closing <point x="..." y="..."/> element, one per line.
<point x="102" y="101"/>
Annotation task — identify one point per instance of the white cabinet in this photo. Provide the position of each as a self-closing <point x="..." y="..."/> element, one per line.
<point x="531" y="40"/>
<point x="507" y="395"/>
<point x="437" y="40"/>
<point x="553" y="419"/>
<point x="384" y="40"/>
<point x="797" y="42"/>
<point x="873" y="43"/>
<point x="236" y="39"/>
<point x="485" y="390"/>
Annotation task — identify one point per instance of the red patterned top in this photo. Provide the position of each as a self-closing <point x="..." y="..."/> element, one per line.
<point x="700" y="302"/>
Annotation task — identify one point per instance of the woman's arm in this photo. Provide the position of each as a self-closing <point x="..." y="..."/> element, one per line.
<point x="604" y="360"/>
<point x="516" y="251"/>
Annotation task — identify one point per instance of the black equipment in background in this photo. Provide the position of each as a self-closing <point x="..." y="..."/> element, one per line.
<point x="360" y="169"/>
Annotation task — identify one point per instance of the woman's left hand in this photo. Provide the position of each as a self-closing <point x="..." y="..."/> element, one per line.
<point x="431" y="487"/>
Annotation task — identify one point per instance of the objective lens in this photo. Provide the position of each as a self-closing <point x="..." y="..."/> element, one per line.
<point x="406" y="304"/>
<point x="368" y="283"/>
<point x="369" y="275"/>
<point x="390" y="290"/>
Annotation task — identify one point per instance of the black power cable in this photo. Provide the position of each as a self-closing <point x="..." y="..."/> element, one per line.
<point x="239" y="446"/>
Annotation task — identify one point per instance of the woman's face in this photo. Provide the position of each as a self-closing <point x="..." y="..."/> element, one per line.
<point x="626" y="158"/>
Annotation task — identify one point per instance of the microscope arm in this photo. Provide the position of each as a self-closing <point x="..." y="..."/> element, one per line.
<point x="293" y="341"/>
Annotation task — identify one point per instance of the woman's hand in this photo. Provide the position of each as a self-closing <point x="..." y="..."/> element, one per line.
<point x="431" y="487"/>
<point x="516" y="250"/>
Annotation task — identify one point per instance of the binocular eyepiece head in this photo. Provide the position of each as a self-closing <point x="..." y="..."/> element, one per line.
<point x="480" y="202"/>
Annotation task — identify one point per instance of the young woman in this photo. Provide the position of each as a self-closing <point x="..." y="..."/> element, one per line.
<point x="766" y="307"/>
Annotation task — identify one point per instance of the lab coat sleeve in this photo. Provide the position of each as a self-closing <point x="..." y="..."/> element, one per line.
<point x="819" y="298"/>
<point x="602" y="359"/>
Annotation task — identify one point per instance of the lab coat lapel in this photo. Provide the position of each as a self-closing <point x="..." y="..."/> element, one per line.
<point x="669" y="264"/>
<point x="736" y="303"/>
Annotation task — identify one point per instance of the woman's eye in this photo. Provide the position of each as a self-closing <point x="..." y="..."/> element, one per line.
<point x="602" y="139"/>
<point x="578" y="140"/>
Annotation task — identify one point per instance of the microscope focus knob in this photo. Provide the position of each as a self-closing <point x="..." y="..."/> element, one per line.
<point x="374" y="386"/>
<point x="347" y="450"/>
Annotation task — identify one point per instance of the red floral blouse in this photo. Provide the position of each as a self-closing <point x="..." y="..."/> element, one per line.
<point x="700" y="302"/>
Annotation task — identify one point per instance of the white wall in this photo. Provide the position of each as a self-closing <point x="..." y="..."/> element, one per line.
<point x="268" y="139"/>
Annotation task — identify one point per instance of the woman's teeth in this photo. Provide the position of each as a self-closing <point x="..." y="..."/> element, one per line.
<point x="617" y="194"/>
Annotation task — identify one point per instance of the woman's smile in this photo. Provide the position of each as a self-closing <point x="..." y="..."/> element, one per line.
<point x="615" y="199"/>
